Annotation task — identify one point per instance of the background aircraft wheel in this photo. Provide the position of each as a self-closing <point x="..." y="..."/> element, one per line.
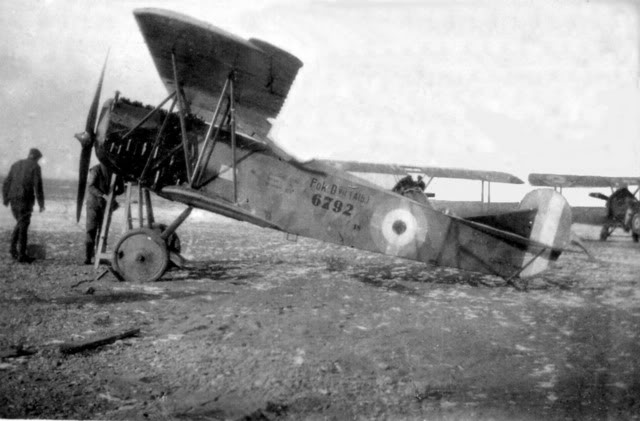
<point x="141" y="256"/>
<point x="604" y="233"/>
<point x="635" y="227"/>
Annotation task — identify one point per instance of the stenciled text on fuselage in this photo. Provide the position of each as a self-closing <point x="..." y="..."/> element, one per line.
<point x="348" y="193"/>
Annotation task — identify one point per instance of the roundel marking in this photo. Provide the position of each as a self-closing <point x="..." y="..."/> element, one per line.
<point x="399" y="227"/>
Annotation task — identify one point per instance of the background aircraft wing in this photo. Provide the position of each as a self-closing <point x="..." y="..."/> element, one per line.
<point x="565" y="180"/>
<point x="206" y="55"/>
<point x="437" y="172"/>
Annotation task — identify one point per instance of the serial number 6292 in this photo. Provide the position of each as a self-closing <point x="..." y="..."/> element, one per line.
<point x="328" y="203"/>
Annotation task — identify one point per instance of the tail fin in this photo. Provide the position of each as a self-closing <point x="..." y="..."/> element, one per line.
<point x="551" y="227"/>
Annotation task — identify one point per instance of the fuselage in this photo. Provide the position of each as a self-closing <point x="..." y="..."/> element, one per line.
<point x="309" y="199"/>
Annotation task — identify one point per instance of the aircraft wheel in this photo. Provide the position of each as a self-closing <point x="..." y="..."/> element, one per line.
<point x="141" y="256"/>
<point x="604" y="233"/>
<point x="635" y="227"/>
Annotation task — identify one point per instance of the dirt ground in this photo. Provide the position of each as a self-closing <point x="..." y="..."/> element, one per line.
<point x="259" y="327"/>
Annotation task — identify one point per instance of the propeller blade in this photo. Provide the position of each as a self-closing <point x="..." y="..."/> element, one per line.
<point x="85" y="158"/>
<point x="93" y="111"/>
<point x="87" y="139"/>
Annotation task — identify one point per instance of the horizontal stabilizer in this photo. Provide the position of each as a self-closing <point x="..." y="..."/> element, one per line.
<point x="507" y="236"/>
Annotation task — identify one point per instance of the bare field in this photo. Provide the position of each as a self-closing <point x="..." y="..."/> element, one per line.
<point x="260" y="327"/>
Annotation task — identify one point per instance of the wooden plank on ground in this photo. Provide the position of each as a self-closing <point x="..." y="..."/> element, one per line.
<point x="79" y="346"/>
<point x="16" y="352"/>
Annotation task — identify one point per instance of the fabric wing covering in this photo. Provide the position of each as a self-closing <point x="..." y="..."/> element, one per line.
<point x="567" y="180"/>
<point x="437" y="172"/>
<point x="206" y="55"/>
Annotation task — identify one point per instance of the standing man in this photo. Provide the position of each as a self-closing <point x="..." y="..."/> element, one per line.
<point x="99" y="181"/>
<point x="21" y="188"/>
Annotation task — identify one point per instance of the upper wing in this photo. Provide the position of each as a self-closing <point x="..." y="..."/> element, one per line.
<point x="562" y="180"/>
<point x="206" y="55"/>
<point x="438" y="172"/>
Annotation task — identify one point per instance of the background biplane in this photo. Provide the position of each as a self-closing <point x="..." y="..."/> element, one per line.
<point x="210" y="150"/>
<point x="621" y="210"/>
<point x="463" y="209"/>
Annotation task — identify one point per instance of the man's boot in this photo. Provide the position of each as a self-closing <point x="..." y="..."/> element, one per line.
<point x="88" y="252"/>
<point x="14" y="245"/>
<point x="26" y="259"/>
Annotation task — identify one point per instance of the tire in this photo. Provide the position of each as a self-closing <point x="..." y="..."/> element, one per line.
<point x="635" y="227"/>
<point x="141" y="255"/>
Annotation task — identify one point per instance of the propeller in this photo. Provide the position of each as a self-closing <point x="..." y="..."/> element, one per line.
<point x="87" y="139"/>
<point x="599" y="196"/>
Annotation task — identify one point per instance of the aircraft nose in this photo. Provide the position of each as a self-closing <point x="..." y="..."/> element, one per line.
<point x="103" y="124"/>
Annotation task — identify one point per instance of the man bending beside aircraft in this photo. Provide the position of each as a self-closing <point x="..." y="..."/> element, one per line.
<point x="99" y="182"/>
<point x="20" y="189"/>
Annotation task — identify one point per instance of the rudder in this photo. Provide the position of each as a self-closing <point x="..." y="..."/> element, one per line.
<point x="551" y="226"/>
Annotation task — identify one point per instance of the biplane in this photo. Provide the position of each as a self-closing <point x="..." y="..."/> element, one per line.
<point x="622" y="207"/>
<point x="412" y="188"/>
<point x="206" y="145"/>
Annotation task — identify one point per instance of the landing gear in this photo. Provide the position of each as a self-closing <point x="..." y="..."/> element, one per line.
<point x="141" y="255"/>
<point x="605" y="232"/>
<point x="173" y="241"/>
<point x="145" y="253"/>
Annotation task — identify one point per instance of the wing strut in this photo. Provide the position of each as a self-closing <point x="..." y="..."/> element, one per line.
<point x="232" y="117"/>
<point x="228" y="118"/>
<point x="183" y="125"/>
<point x="209" y="143"/>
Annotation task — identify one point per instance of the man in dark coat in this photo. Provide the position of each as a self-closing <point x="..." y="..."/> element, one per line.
<point x="20" y="189"/>
<point x="99" y="181"/>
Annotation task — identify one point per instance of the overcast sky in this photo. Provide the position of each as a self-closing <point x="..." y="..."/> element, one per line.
<point x="515" y="86"/>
